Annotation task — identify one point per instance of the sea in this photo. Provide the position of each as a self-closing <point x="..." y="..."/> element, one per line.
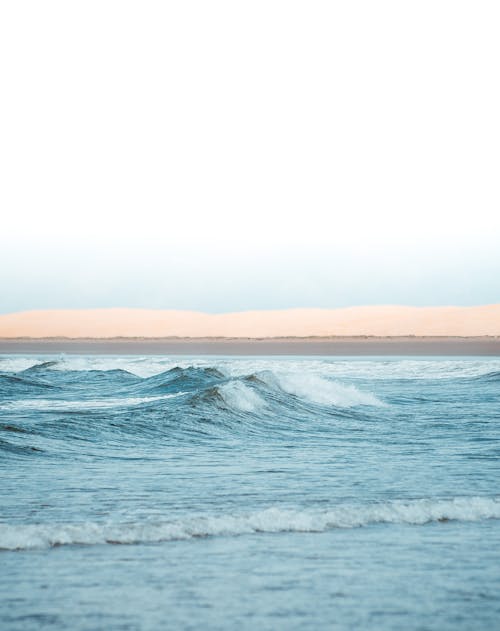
<point x="164" y="492"/>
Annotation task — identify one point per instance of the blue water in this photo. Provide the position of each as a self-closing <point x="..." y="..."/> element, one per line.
<point x="250" y="493"/>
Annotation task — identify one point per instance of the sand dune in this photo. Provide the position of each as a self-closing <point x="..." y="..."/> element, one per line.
<point x="353" y="321"/>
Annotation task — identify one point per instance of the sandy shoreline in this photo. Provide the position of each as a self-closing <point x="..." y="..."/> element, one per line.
<point x="453" y="346"/>
<point x="374" y="321"/>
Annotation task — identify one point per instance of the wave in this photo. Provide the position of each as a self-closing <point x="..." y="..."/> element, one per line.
<point x="41" y="366"/>
<point x="271" y="520"/>
<point x="182" y="403"/>
<point x="190" y="378"/>
<point x="17" y="450"/>
<point x="259" y="391"/>
<point x="60" y="377"/>
<point x="491" y="376"/>
<point x="210" y="383"/>
<point x="15" y="384"/>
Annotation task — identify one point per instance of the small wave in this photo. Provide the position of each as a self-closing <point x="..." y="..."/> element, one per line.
<point x="95" y="377"/>
<point x="13" y="428"/>
<point x="90" y="404"/>
<point x="189" y="378"/>
<point x="18" y="450"/>
<point x="118" y="373"/>
<point x="43" y="366"/>
<point x="12" y="385"/>
<point x="491" y="376"/>
<point x="271" y="520"/>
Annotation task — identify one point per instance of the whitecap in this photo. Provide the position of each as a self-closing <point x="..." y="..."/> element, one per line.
<point x="414" y="512"/>
<point x="241" y="397"/>
<point x="318" y="389"/>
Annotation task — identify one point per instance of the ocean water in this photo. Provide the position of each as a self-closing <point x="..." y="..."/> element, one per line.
<point x="250" y="493"/>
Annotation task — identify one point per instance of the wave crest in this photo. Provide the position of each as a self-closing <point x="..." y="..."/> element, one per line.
<point x="271" y="520"/>
<point x="318" y="390"/>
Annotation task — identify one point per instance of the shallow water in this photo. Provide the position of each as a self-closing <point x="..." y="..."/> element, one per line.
<point x="153" y="492"/>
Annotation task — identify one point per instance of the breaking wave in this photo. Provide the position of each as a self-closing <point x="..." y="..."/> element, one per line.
<point x="271" y="520"/>
<point x="320" y="390"/>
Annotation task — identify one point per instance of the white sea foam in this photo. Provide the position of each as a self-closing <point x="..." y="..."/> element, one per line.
<point x="324" y="391"/>
<point x="17" y="363"/>
<point x="88" y="404"/>
<point x="373" y="369"/>
<point x="271" y="520"/>
<point x="140" y="366"/>
<point x="240" y="397"/>
<point x="376" y="368"/>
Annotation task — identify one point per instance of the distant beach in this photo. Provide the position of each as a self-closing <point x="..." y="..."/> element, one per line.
<point x="360" y="345"/>
<point x="389" y="321"/>
<point x="375" y="330"/>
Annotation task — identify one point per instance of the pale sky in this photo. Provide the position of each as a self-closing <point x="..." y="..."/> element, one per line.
<point x="234" y="155"/>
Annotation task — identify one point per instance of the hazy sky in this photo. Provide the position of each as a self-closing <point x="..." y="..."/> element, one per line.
<point x="235" y="155"/>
